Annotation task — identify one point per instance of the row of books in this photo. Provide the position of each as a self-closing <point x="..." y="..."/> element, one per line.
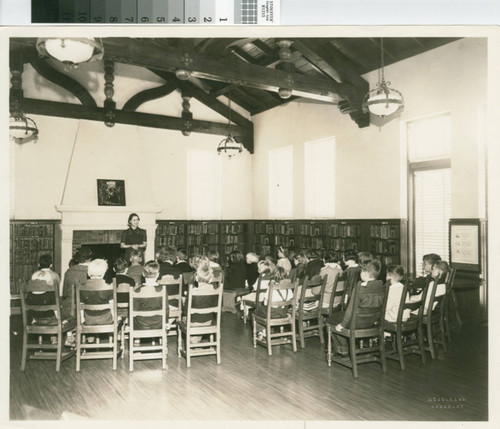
<point x="232" y="228"/>
<point x="203" y="228"/>
<point x="382" y="246"/>
<point x="202" y="239"/>
<point x="384" y="231"/>
<point x="31" y="244"/>
<point x="201" y="250"/>
<point x="171" y="241"/>
<point x="341" y="244"/>
<point x="171" y="229"/>
<point x="264" y="228"/>
<point x="32" y="230"/>
<point x="230" y="239"/>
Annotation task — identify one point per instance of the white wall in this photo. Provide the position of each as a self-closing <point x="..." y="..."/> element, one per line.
<point x="450" y="78"/>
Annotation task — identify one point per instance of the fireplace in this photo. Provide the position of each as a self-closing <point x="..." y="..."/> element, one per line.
<point x="101" y="225"/>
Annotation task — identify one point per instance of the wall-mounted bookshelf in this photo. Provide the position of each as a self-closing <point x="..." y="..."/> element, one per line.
<point x="29" y="239"/>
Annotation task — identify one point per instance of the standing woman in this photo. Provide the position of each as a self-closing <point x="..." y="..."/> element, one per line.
<point x="133" y="237"/>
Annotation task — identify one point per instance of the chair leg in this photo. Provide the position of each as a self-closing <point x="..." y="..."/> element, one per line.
<point x="164" y="349"/>
<point x="217" y="340"/>
<point x="268" y="340"/>
<point x="245" y="314"/>
<point x="382" y="352"/>
<point x="131" y="352"/>
<point x="59" y="351"/>
<point x="400" y="350"/>
<point x="430" y="340"/>
<point x="25" y="350"/>
<point x="354" y="361"/>
<point x="78" y="349"/>
<point x="442" y="333"/>
<point x="301" y="334"/>
<point x="321" y="333"/>
<point x="294" y="338"/>
<point x="329" y="346"/>
<point x="421" y="343"/>
<point x="254" y="332"/>
<point x="115" y="349"/>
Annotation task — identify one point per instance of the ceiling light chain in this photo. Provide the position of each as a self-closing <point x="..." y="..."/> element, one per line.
<point x="109" y="91"/>
<point x="383" y="101"/>
<point x="229" y="146"/>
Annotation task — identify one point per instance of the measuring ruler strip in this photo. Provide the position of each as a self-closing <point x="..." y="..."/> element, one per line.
<point x="204" y="12"/>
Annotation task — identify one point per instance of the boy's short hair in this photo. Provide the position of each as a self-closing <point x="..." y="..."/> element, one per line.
<point x="136" y="255"/>
<point x="45" y="261"/>
<point x="181" y="254"/>
<point x="83" y="255"/>
<point x="72" y="262"/>
<point x="432" y="258"/>
<point x="151" y="270"/>
<point x="266" y="266"/>
<point x="364" y="257"/>
<point x="236" y="256"/>
<point x="204" y="274"/>
<point x="313" y="254"/>
<point x="278" y="274"/>
<point x="396" y="269"/>
<point x="372" y="268"/>
<point x="350" y="255"/>
<point x="331" y="257"/>
<point x="120" y="265"/>
<point x="97" y="268"/>
<point x="167" y="254"/>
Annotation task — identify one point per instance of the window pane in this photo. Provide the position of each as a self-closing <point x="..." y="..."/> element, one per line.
<point x="203" y="184"/>
<point x="429" y="138"/>
<point x="432" y="213"/>
<point x="281" y="182"/>
<point x="319" y="157"/>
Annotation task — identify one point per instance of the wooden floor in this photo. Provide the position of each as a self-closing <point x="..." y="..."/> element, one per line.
<point x="249" y="385"/>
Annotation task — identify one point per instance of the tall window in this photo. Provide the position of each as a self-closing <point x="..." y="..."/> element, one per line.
<point x="204" y="184"/>
<point x="319" y="158"/>
<point x="429" y="150"/>
<point x="281" y="182"/>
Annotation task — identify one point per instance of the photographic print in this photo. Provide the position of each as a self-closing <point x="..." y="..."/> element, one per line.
<point x="232" y="143"/>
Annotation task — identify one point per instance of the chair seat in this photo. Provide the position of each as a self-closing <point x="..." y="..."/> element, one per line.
<point x="276" y="313"/>
<point x="359" y="333"/>
<point x="409" y="325"/>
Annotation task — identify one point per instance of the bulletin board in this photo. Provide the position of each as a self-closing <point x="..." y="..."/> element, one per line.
<point x="465" y="246"/>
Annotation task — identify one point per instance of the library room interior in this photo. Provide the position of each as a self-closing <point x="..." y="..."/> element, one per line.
<point x="250" y="228"/>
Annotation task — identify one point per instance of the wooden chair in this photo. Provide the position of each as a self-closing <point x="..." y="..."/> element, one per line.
<point x="31" y="327"/>
<point x="85" y="296"/>
<point x="351" y="279"/>
<point x="173" y="288"/>
<point x="276" y="316"/>
<point x="309" y="307"/>
<point x="451" y="299"/>
<point x="145" y="303"/>
<point x="433" y="320"/>
<point x="407" y="335"/>
<point x="372" y="337"/>
<point x="336" y="300"/>
<point x="202" y="299"/>
<point x="252" y="304"/>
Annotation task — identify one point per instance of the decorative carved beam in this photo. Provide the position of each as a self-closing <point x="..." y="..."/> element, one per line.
<point x="75" y="111"/>
<point x="148" y="95"/>
<point x="140" y="53"/>
<point x="44" y="69"/>
<point x="207" y="99"/>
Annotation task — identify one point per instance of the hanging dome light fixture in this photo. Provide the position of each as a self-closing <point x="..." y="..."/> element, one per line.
<point x="229" y="146"/>
<point x="383" y="101"/>
<point x="21" y="128"/>
<point x="70" y="51"/>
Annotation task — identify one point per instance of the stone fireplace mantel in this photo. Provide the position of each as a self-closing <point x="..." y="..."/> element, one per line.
<point x="103" y="218"/>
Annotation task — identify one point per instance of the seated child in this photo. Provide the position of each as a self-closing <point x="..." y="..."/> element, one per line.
<point x="151" y="271"/>
<point x="122" y="278"/>
<point x="371" y="295"/>
<point x="438" y="277"/>
<point x="181" y="261"/>
<point x="330" y="270"/>
<point x="265" y="268"/>
<point x="428" y="262"/>
<point x="202" y="280"/>
<point x="395" y="273"/>
<point x="352" y="271"/>
<point x="252" y="270"/>
<point x="96" y="270"/>
<point x="45" y="273"/>
<point x="283" y="260"/>
<point x="135" y="268"/>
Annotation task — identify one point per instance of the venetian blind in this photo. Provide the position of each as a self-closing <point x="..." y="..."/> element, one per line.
<point x="319" y="158"/>
<point x="432" y="204"/>
<point x="204" y="184"/>
<point x="281" y="182"/>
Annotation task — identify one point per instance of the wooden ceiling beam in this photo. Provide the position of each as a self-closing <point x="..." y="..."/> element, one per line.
<point x="207" y="99"/>
<point x="64" y="81"/>
<point x="75" y="111"/>
<point x="140" y="53"/>
<point x="148" y="95"/>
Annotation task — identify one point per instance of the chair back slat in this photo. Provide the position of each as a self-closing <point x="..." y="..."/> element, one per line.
<point x="406" y="304"/>
<point x="351" y="278"/>
<point x="197" y="302"/>
<point x="374" y="314"/>
<point x="138" y="296"/>
<point x="95" y="286"/>
<point x="38" y="286"/>
<point x="337" y="292"/>
<point x="282" y="294"/>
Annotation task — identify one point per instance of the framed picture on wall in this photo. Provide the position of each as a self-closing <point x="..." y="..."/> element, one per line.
<point x="465" y="248"/>
<point x="110" y="192"/>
